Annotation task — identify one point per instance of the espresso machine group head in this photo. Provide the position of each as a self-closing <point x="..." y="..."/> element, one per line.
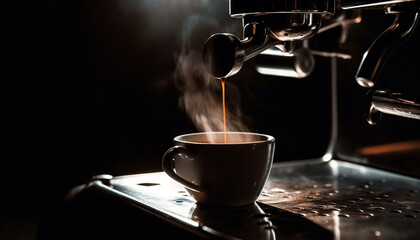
<point x="280" y="25"/>
<point x="280" y="31"/>
<point x="283" y="26"/>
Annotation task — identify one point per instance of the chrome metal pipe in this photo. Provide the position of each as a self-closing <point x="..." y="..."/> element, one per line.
<point x="375" y="57"/>
<point x="394" y="103"/>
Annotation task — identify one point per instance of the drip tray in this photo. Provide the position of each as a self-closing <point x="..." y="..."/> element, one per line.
<point x="329" y="200"/>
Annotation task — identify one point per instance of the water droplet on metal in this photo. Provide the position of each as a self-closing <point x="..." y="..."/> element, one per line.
<point x="368" y="214"/>
<point x="377" y="233"/>
<point x="391" y="201"/>
<point x="359" y="210"/>
<point x="342" y="206"/>
<point x="410" y="216"/>
<point x="360" y="199"/>
<point x="416" y="211"/>
<point x="413" y="191"/>
<point x="385" y="195"/>
<point x="368" y="204"/>
<point x="396" y="211"/>
<point x="378" y="208"/>
<point x="324" y="214"/>
<point x="301" y="214"/>
<point x="320" y="206"/>
<point x="404" y="206"/>
<point x="287" y="196"/>
<point x="351" y="201"/>
<point x="313" y="211"/>
<point x="335" y="209"/>
<point x="344" y="215"/>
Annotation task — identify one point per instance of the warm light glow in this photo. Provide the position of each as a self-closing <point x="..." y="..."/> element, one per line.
<point x="391" y="148"/>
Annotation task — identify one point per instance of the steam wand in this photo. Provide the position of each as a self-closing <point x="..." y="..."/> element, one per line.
<point x="375" y="57"/>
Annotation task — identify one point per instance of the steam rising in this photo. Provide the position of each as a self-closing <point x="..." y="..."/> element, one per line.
<point x="201" y="94"/>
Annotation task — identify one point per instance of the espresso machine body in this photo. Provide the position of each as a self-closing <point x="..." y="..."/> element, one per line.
<point x="363" y="45"/>
<point x="338" y="87"/>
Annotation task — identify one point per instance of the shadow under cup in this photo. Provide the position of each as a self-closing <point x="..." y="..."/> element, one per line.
<point x="214" y="172"/>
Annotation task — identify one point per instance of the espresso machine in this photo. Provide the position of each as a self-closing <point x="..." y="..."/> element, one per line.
<point x="365" y="181"/>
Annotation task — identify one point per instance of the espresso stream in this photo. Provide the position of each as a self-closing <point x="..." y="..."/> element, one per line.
<point x="223" y="81"/>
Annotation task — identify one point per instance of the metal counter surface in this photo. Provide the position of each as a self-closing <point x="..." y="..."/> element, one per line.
<point x="305" y="200"/>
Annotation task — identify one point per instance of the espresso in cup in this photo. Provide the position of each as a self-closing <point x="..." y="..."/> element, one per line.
<point x="215" y="172"/>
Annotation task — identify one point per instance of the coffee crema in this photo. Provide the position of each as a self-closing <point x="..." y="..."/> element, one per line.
<point x="223" y="138"/>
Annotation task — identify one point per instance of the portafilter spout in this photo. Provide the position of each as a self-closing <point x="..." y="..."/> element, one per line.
<point x="224" y="53"/>
<point x="266" y="23"/>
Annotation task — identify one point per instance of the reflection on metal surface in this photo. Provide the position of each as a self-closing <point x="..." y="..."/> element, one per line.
<point x="331" y="54"/>
<point x="391" y="148"/>
<point x="395" y="103"/>
<point x="168" y="199"/>
<point x="348" y="199"/>
<point x="275" y="62"/>
<point x="331" y="200"/>
<point x="233" y="221"/>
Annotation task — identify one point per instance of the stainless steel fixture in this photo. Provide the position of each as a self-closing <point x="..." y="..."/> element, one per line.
<point x="370" y="66"/>
<point x="283" y="26"/>
<point x="266" y="24"/>
<point x="282" y="23"/>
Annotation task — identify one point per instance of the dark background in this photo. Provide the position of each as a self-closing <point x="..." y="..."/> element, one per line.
<point x="89" y="88"/>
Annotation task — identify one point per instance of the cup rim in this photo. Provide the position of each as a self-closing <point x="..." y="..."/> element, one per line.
<point x="179" y="139"/>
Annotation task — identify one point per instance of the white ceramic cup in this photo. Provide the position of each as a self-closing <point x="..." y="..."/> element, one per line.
<point x="214" y="172"/>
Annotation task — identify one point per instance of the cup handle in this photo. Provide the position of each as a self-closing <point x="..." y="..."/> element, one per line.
<point x="167" y="166"/>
